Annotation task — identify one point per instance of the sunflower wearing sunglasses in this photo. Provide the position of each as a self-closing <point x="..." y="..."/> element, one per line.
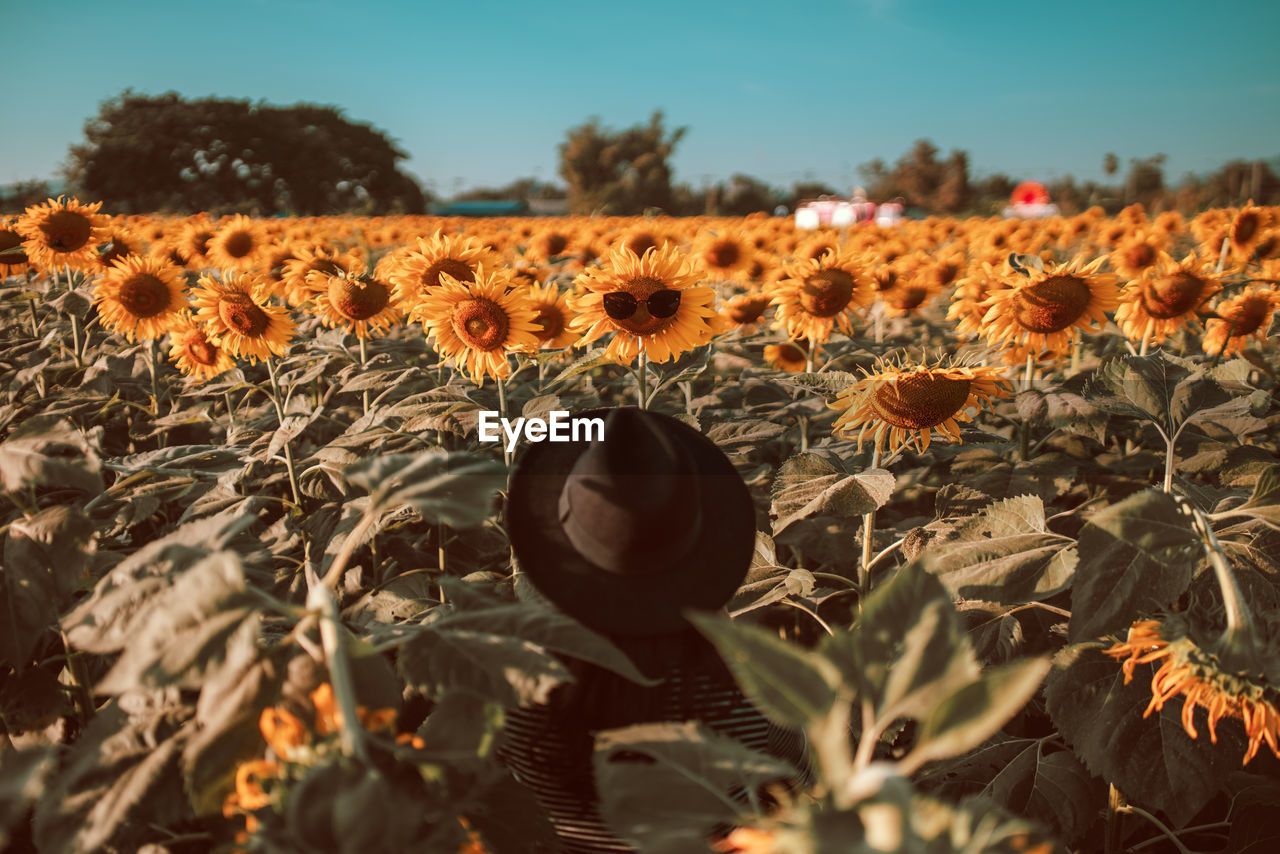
<point x="652" y="301"/>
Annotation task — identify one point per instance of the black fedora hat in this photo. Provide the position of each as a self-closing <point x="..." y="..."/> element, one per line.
<point x="627" y="532"/>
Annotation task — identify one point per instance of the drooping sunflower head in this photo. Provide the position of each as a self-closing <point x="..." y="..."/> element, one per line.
<point x="1193" y="669"/>
<point x="62" y="232"/>
<point x="352" y="299"/>
<point x="416" y="270"/>
<point x="1041" y="308"/>
<point x="1239" y="319"/>
<point x="237" y="316"/>
<point x="817" y="295"/>
<point x="479" y="323"/>
<point x="1166" y="297"/>
<point x="141" y="297"/>
<point x="902" y="404"/>
<point x="13" y="257"/>
<point x="194" y="353"/>
<point x="653" y="302"/>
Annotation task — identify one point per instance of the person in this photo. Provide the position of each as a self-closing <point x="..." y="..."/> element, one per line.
<point x="626" y="534"/>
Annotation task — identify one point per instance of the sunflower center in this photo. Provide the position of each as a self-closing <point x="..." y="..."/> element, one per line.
<point x="724" y="254"/>
<point x="1249" y="315"/>
<point x="550" y="322"/>
<point x="826" y="293"/>
<point x="641" y="243"/>
<point x="920" y="401"/>
<point x="358" y="299"/>
<point x="907" y="298"/>
<point x="748" y="310"/>
<point x="1139" y="256"/>
<point x="66" y="231"/>
<point x="481" y="323"/>
<point x="238" y="244"/>
<point x="1246" y="226"/>
<point x="556" y="243"/>
<point x="144" y="295"/>
<point x="1052" y="305"/>
<point x="1172" y="296"/>
<point x="242" y="315"/>
<point x="450" y="267"/>
<point x="201" y="351"/>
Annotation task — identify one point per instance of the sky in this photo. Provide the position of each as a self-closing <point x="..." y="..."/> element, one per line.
<point x="480" y="93"/>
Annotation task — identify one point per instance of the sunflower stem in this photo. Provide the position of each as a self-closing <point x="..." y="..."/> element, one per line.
<point x="364" y="362"/>
<point x="868" y="526"/>
<point x="1168" y="463"/>
<point x="321" y="598"/>
<point x="502" y="414"/>
<point x="642" y="377"/>
<point x="231" y="412"/>
<point x="1115" y="813"/>
<point x="1226" y="341"/>
<point x="1077" y="348"/>
<point x="35" y="321"/>
<point x="288" y="444"/>
<point x="1146" y="338"/>
<point x="1222" y="255"/>
<point x="1239" y="633"/>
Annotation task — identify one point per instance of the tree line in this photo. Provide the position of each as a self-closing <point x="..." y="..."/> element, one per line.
<point x="145" y="153"/>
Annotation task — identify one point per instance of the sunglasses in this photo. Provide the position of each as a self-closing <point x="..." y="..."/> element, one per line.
<point x="621" y="305"/>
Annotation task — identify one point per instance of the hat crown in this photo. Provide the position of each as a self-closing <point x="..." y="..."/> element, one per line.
<point x="631" y="502"/>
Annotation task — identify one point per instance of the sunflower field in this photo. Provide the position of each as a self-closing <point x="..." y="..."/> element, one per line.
<point x="1017" y="562"/>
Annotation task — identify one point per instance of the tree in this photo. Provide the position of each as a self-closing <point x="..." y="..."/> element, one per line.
<point x="746" y="195"/>
<point x="149" y="153"/>
<point x="1110" y="163"/>
<point x="618" y="172"/>
<point x="923" y="180"/>
<point x="1146" y="181"/>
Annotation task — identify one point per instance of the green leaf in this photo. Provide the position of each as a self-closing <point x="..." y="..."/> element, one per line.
<point x="548" y="629"/>
<point x="497" y="667"/>
<point x="973" y="713"/>
<point x="793" y="686"/>
<point x="1150" y="759"/>
<point x="1160" y="388"/>
<point x="808" y="485"/>
<point x="455" y="488"/>
<point x="688" y="366"/>
<point x="1004" y="554"/>
<point x="1136" y="557"/>
<point x="1264" y="503"/>
<point x="588" y="361"/>
<point x="665" y="786"/>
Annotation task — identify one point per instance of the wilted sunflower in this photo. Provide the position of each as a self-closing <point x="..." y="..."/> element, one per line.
<point x="1188" y="669"/>
<point x="819" y="294"/>
<point x="236" y="244"/>
<point x="237" y="317"/>
<point x="416" y="270"/>
<point x="479" y="323"/>
<point x="13" y="258"/>
<point x="354" y="300"/>
<point x="141" y="297"/>
<point x="1041" y="309"/>
<point x="552" y="316"/>
<point x="1241" y="317"/>
<point x="902" y="404"/>
<point x="193" y="353"/>
<point x="62" y="233"/>
<point x="1166" y="297"/>
<point x="653" y="302"/>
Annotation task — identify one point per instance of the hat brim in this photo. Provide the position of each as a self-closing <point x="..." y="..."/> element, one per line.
<point x="643" y="603"/>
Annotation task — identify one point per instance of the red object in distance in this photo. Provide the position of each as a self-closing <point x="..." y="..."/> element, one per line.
<point x="1030" y="193"/>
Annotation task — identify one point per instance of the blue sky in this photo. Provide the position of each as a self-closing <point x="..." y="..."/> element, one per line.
<point x="480" y="93"/>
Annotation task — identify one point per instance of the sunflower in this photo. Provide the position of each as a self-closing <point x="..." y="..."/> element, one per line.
<point x="624" y="296"/>
<point x="1166" y="297"/>
<point x="552" y="316"/>
<point x="415" y="272"/>
<point x="193" y="242"/>
<point x="62" y="233"/>
<point x="789" y="356"/>
<point x="745" y="308"/>
<point x="1188" y="669"/>
<point x="903" y="404"/>
<point x="1249" y="228"/>
<point x="236" y="245"/>
<point x="117" y="243"/>
<point x="13" y="258"/>
<point x="352" y="299"/>
<point x="723" y="255"/>
<point x="237" y="317"/>
<point x="479" y="323"/>
<point x="194" y="353"/>
<point x="972" y="290"/>
<point x="1041" y="310"/>
<point x="141" y="297"/>
<point x="818" y="294"/>
<point x="1136" y="254"/>
<point x="294" y="286"/>
<point x="1239" y="318"/>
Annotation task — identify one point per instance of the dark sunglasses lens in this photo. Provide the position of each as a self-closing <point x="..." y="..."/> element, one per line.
<point x="619" y="305"/>
<point x="664" y="303"/>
